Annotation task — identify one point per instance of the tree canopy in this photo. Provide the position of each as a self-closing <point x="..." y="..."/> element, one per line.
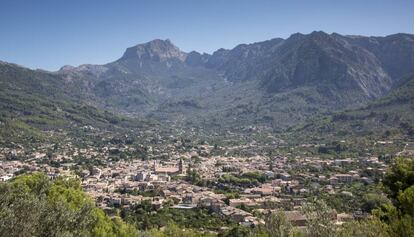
<point x="33" y="205"/>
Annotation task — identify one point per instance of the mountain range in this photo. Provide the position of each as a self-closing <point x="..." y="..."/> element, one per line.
<point x="276" y="83"/>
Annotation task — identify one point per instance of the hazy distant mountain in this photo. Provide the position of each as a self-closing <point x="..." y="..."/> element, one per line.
<point x="395" y="52"/>
<point x="389" y="116"/>
<point x="317" y="59"/>
<point x="276" y="82"/>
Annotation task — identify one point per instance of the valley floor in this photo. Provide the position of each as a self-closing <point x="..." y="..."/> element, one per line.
<point x="236" y="182"/>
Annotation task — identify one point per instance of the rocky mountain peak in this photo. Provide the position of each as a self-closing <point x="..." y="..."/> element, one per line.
<point x="67" y="68"/>
<point x="156" y="50"/>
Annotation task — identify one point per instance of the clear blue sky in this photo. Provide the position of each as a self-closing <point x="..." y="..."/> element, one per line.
<point x="48" y="34"/>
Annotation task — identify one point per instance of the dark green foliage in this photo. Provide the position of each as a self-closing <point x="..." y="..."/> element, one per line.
<point x="33" y="102"/>
<point x="32" y="205"/>
<point x="334" y="147"/>
<point x="193" y="177"/>
<point x="243" y="180"/>
<point x="400" y="179"/>
<point x="237" y="231"/>
<point x="399" y="184"/>
<point x="364" y="197"/>
<point x="145" y="216"/>
<point x="372" y="201"/>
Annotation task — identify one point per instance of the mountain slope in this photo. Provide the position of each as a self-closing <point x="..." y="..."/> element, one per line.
<point x="395" y="52"/>
<point x="389" y="117"/>
<point x="276" y="83"/>
<point x="146" y="77"/>
<point x="32" y="102"/>
<point x="317" y="59"/>
<point x="287" y="80"/>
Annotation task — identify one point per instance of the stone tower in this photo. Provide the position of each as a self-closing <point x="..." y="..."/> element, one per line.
<point x="181" y="166"/>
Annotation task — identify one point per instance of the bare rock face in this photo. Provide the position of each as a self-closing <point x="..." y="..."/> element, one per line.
<point x="156" y="50"/>
<point x="316" y="59"/>
<point x="395" y="52"/>
<point x="196" y="59"/>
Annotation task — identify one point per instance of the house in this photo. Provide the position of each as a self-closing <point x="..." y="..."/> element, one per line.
<point x="333" y="180"/>
<point x="170" y="170"/>
<point x="236" y="214"/>
<point x="239" y="202"/>
<point x="344" y="217"/>
<point x="285" y="176"/>
<point x="297" y="218"/>
<point x="6" y="177"/>
<point x="141" y="176"/>
<point x="264" y="191"/>
<point x="344" y="178"/>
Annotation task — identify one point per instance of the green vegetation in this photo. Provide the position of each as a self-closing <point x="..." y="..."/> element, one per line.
<point x="399" y="184"/>
<point x="389" y="219"/>
<point x="364" y="198"/>
<point x="243" y="180"/>
<point x="35" y="102"/>
<point x="35" y="107"/>
<point x="146" y="216"/>
<point x="32" y="205"/>
<point x="388" y="118"/>
<point x="172" y="230"/>
<point x="193" y="177"/>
